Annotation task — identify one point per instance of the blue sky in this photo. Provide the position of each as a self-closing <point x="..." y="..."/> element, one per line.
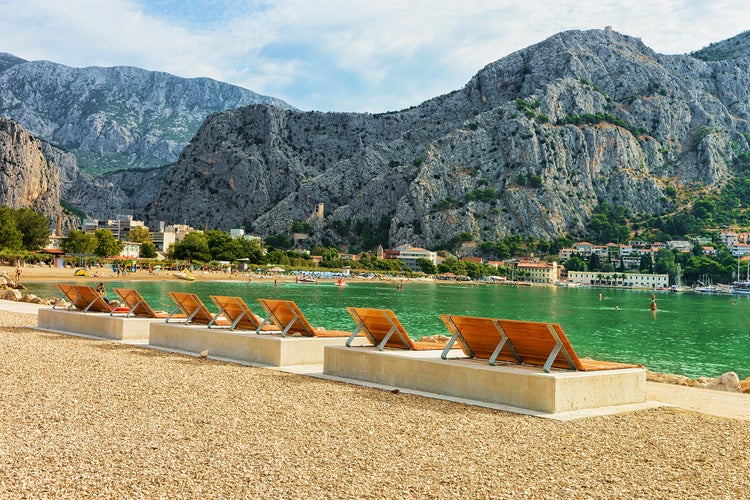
<point x="334" y="55"/>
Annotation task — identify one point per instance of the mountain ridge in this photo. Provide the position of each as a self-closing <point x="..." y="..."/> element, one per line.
<point x="114" y="117"/>
<point x="533" y="144"/>
<point x="590" y="116"/>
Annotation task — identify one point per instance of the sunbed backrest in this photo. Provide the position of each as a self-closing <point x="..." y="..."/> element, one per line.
<point x="90" y="299"/>
<point x="535" y="341"/>
<point x="236" y="311"/>
<point x="137" y="304"/>
<point x="192" y="306"/>
<point x="481" y="334"/>
<point x="288" y="316"/>
<point x="378" y="323"/>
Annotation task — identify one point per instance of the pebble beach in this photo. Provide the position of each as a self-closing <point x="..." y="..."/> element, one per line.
<point x="85" y="418"/>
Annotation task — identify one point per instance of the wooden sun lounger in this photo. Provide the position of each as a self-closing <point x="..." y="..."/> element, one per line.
<point x="138" y="305"/>
<point x="380" y="325"/>
<point x="288" y="316"/>
<point x="236" y="310"/>
<point x="85" y="298"/>
<point x="523" y="342"/>
<point x="194" y="310"/>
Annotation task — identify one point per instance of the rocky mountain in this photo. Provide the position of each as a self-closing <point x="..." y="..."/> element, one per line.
<point x="27" y="178"/>
<point x="732" y="48"/>
<point x="113" y="118"/>
<point x="531" y="145"/>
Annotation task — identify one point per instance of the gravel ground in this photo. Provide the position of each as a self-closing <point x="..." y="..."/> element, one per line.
<point x="88" y="418"/>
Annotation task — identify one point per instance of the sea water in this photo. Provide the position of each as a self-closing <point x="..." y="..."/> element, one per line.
<point x="690" y="334"/>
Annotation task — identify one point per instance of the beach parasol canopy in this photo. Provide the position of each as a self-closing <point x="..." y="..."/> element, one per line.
<point x="276" y="269"/>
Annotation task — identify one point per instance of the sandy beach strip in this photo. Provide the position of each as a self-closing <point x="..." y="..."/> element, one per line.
<point x="92" y="418"/>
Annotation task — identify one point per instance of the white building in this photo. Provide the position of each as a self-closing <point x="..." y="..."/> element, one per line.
<point x="740" y="249"/>
<point x="409" y="256"/>
<point x="538" y="272"/>
<point x="130" y="249"/>
<point x="636" y="280"/>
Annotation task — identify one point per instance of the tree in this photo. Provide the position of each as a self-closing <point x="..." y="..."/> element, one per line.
<point x="279" y="241"/>
<point x="665" y="264"/>
<point x="452" y="265"/>
<point x="252" y="250"/>
<point x="575" y="263"/>
<point x="79" y="242"/>
<point x="301" y="227"/>
<point x="194" y="246"/>
<point x="609" y="224"/>
<point x="647" y="263"/>
<point x="34" y="227"/>
<point x="139" y="234"/>
<point x="221" y="245"/>
<point x="148" y="250"/>
<point x="107" y="245"/>
<point x="10" y="236"/>
<point x="426" y="266"/>
<point x="594" y="262"/>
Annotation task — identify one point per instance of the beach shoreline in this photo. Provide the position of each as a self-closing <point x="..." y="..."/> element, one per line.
<point x="36" y="273"/>
<point x="82" y="416"/>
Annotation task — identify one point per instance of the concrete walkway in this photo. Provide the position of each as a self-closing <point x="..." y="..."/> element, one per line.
<point x="718" y="403"/>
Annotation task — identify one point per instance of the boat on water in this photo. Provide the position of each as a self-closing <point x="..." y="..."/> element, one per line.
<point x="184" y="275"/>
<point x="307" y="280"/>
<point x="712" y="289"/>
<point x="741" y="287"/>
<point x="340" y="282"/>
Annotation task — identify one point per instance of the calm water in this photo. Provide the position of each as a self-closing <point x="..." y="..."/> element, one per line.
<point x="693" y="335"/>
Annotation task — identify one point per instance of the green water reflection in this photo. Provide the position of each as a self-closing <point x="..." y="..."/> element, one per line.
<point x="693" y="335"/>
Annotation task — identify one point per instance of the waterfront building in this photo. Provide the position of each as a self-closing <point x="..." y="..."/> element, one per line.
<point x="538" y="271"/>
<point x="409" y="256"/>
<point x="636" y="280"/>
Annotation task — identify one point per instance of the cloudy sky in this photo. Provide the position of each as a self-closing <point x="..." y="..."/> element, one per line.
<point x="335" y="55"/>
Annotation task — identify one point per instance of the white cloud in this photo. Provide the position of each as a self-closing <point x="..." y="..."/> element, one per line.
<point x="335" y="54"/>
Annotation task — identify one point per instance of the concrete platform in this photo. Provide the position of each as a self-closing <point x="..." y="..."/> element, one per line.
<point x="244" y="346"/>
<point x="95" y="324"/>
<point x="525" y="387"/>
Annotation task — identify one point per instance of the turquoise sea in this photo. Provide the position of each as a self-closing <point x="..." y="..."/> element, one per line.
<point x="690" y="334"/>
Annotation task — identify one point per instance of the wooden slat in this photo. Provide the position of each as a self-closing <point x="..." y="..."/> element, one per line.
<point x="286" y="311"/>
<point x="190" y="303"/>
<point x="235" y="308"/>
<point x="532" y="341"/>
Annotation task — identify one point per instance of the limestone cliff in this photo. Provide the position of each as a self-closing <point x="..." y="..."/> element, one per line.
<point x="27" y="178"/>
<point x="532" y="144"/>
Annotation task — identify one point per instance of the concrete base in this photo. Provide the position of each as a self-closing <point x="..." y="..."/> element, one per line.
<point x="519" y="386"/>
<point x="266" y="349"/>
<point x="95" y="324"/>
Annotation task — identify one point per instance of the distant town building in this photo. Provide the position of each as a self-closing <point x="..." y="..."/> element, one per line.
<point x="409" y="256"/>
<point x="637" y="280"/>
<point x="131" y="250"/>
<point x="680" y="245"/>
<point x="538" y="271"/>
<point x="740" y="249"/>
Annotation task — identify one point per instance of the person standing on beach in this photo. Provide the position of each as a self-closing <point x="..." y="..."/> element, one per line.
<point x="18" y="275"/>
